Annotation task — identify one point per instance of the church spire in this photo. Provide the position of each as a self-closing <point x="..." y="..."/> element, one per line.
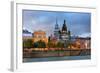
<point x="56" y="25"/>
<point x="64" y="28"/>
<point x="56" y="31"/>
<point x="64" y="21"/>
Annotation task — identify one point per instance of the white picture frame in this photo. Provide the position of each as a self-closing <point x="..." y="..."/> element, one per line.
<point x="16" y="21"/>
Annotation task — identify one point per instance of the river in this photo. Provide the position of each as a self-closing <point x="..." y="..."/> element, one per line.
<point x="25" y="60"/>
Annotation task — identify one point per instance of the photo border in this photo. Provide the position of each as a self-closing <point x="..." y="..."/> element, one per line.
<point x="16" y="59"/>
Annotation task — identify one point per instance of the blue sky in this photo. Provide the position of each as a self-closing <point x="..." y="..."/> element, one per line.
<point x="78" y="23"/>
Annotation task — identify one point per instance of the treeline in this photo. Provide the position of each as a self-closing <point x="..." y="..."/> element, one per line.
<point x="41" y="44"/>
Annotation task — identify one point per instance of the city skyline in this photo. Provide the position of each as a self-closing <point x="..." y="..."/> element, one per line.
<point x="78" y="23"/>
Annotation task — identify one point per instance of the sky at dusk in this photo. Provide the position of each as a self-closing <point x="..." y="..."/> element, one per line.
<point x="78" y="23"/>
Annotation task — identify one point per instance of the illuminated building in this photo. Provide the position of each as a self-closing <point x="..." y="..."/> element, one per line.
<point x="64" y="35"/>
<point x="40" y="35"/>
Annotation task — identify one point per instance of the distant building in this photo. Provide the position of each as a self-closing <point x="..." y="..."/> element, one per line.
<point x="64" y="33"/>
<point x="40" y="35"/>
<point x="85" y="43"/>
<point x="56" y="31"/>
<point x="81" y="43"/>
<point x="26" y="35"/>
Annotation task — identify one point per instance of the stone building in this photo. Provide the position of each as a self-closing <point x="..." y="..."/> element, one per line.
<point x="40" y="35"/>
<point x="64" y="33"/>
<point x="56" y="31"/>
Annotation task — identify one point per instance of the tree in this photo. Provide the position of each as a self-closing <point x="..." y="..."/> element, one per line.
<point x="35" y="45"/>
<point x="51" y="44"/>
<point x="60" y="45"/>
<point x="27" y="43"/>
<point x="39" y="44"/>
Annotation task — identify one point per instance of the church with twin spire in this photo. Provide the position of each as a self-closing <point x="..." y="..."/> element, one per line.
<point x="62" y="34"/>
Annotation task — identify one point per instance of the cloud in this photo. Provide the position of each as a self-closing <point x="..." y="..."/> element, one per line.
<point x="77" y="23"/>
<point x="85" y="35"/>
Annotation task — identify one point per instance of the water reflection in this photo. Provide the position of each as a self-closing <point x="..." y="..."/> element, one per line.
<point x="56" y="58"/>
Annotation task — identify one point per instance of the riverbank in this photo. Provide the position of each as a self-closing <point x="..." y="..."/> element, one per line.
<point x="59" y="53"/>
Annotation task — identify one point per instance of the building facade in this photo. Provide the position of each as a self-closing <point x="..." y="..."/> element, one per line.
<point x="62" y="35"/>
<point x="56" y="31"/>
<point x="40" y="35"/>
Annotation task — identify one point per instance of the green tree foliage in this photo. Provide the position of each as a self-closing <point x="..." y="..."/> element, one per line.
<point x="35" y="45"/>
<point x="60" y="45"/>
<point x="51" y="44"/>
<point x="27" y="43"/>
<point x="39" y="44"/>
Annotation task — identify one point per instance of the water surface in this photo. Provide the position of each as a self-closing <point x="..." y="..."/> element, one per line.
<point x="56" y="58"/>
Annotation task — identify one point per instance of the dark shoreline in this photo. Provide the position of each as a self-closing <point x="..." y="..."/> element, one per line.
<point x="44" y="54"/>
